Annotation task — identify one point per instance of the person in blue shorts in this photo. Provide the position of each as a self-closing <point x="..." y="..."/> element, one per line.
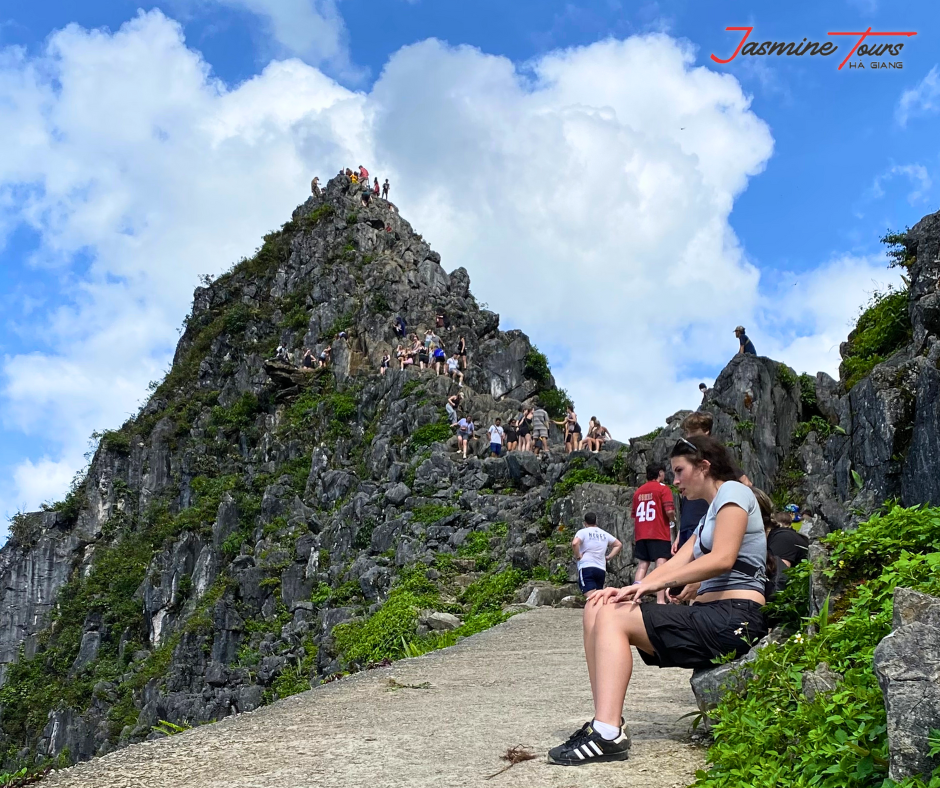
<point x="590" y="549"/>
<point x="497" y="438"/>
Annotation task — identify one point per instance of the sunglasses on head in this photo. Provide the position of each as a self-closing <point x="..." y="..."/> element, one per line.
<point x="682" y="445"/>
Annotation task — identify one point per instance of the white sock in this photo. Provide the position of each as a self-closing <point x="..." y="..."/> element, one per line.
<point x="609" y="732"/>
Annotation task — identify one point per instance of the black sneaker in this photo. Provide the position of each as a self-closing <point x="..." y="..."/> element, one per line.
<point x="590" y="747"/>
<point x="580" y="731"/>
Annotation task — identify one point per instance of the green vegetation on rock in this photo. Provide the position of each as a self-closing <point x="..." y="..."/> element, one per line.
<point x="883" y="327"/>
<point x="772" y="736"/>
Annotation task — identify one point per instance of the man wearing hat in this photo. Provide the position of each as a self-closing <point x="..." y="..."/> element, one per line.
<point x="746" y="345"/>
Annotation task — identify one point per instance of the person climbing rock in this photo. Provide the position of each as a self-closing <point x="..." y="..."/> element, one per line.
<point x="497" y="437"/>
<point x="727" y="557"/>
<point x="363" y="174"/>
<point x="746" y="346"/>
<point x="366" y="194"/>
<point x="375" y="188"/>
<point x="464" y="434"/>
<point x="525" y="430"/>
<point x="385" y="190"/>
<point x="315" y="187"/>
<point x="590" y="545"/>
<point x="453" y="402"/>
<point x="308" y="361"/>
<point x="462" y="352"/>
<point x="440" y="357"/>
<point x="540" y="422"/>
<point x="282" y="354"/>
<point x="653" y="512"/>
<point x="325" y="355"/>
<point x="453" y="370"/>
<point x="384" y="365"/>
<point x="572" y="430"/>
<point x="400" y="326"/>
<point x="703" y="390"/>
<point x="512" y="436"/>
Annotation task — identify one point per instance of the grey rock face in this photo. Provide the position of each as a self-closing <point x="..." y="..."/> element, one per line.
<point x="907" y="665"/>
<point x="820" y="681"/>
<point x="439" y="622"/>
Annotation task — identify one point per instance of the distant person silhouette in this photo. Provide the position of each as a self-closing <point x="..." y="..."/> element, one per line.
<point x="747" y="347"/>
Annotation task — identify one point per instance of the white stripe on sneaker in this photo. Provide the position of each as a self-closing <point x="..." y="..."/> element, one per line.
<point x="578" y="753"/>
<point x="597" y="749"/>
<point x="587" y="751"/>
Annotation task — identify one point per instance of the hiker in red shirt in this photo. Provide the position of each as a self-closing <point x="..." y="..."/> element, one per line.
<point x="363" y="175"/>
<point x="653" y="511"/>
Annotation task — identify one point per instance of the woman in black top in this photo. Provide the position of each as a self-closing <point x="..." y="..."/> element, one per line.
<point x="512" y="436"/>
<point x="525" y="430"/>
<point x="572" y="430"/>
<point x="462" y="352"/>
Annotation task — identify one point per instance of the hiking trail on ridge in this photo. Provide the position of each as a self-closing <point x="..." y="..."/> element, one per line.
<point x="521" y="683"/>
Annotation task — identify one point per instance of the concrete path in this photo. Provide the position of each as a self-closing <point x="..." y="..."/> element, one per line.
<point x="522" y="683"/>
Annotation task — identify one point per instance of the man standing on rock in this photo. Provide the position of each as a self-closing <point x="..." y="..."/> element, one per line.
<point x="590" y="550"/>
<point x="653" y="512"/>
<point x="540" y="422"/>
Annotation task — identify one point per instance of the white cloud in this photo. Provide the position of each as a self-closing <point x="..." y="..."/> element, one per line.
<point x="311" y="29"/>
<point x="587" y="192"/>
<point x="916" y="173"/>
<point x="921" y="100"/>
<point x="809" y="315"/>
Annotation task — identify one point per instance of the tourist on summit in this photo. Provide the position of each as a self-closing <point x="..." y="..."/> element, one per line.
<point x="728" y="558"/>
<point x="540" y="422"/>
<point x="308" y="360"/>
<point x="453" y="370"/>
<point x="439" y="358"/>
<point x="464" y="434"/>
<point x="587" y="442"/>
<point x="366" y="194"/>
<point x="462" y="352"/>
<point x="375" y="188"/>
<point x="497" y="438"/>
<point x="385" y="190"/>
<point x="525" y="430"/>
<point x="453" y="402"/>
<point x="404" y="357"/>
<point x="512" y="436"/>
<point x="703" y="390"/>
<point x="325" y="356"/>
<point x="386" y="361"/>
<point x="315" y="187"/>
<point x="354" y="178"/>
<point x="363" y="174"/>
<point x="590" y="545"/>
<point x="653" y="513"/>
<point x="572" y="429"/>
<point x="601" y="436"/>
<point x="746" y="346"/>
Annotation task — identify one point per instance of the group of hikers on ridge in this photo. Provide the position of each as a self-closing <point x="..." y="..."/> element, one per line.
<point x="358" y="176"/>
<point x="527" y="431"/>
<point x="717" y="563"/>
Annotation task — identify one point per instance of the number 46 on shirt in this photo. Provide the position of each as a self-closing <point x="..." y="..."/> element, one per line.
<point x="646" y="511"/>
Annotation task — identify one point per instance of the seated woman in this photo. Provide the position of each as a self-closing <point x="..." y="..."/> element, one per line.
<point x="726" y="556"/>
<point x="588" y="441"/>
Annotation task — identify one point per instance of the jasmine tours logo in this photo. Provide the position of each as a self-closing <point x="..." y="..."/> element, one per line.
<point x="885" y="46"/>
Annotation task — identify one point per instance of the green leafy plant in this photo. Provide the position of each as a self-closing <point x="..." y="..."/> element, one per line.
<point x="883" y="327"/>
<point x="901" y="250"/>
<point x="427" y="434"/>
<point x="787" y="377"/>
<point x="536" y="366"/>
<point x="556" y="402"/>
<point x="817" y="424"/>
<point x="432" y="512"/>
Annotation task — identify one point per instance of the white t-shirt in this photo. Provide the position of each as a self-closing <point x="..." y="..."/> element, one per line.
<point x="594" y="542"/>
<point x="496" y="434"/>
<point x="452" y="364"/>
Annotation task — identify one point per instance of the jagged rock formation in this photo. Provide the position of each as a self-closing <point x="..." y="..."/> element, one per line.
<point x="907" y="664"/>
<point x="250" y="507"/>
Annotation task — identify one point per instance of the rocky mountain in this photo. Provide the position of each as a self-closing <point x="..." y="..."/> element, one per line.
<point x="258" y="527"/>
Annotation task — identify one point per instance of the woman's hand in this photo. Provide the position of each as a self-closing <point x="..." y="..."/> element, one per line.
<point x="688" y="594"/>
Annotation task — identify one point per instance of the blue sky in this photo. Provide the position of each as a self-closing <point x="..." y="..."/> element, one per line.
<point x="787" y="231"/>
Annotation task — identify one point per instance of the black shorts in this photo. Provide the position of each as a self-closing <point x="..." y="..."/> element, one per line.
<point x="692" y="636"/>
<point x="591" y="578"/>
<point x="652" y="549"/>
